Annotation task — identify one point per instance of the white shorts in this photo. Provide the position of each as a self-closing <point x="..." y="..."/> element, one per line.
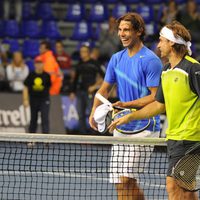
<point x="130" y="160"/>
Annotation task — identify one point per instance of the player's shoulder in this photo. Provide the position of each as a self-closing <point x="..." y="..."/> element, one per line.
<point x="119" y="54"/>
<point x="188" y="60"/>
<point x="190" y="64"/>
<point x="148" y="54"/>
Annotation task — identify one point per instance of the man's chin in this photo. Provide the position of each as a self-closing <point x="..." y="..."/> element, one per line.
<point x="125" y="45"/>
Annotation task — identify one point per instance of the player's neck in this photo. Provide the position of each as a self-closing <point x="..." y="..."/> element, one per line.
<point x="174" y="59"/>
<point x="133" y="50"/>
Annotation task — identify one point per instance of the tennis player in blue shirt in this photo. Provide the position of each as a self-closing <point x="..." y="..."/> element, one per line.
<point x="136" y="71"/>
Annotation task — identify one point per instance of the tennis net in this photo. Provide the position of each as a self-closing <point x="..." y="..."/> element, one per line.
<point x="61" y="167"/>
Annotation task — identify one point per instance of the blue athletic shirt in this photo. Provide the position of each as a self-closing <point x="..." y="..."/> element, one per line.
<point x="133" y="75"/>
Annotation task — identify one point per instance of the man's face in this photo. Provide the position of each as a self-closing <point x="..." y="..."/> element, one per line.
<point x="126" y="34"/>
<point x="59" y="48"/>
<point x="39" y="66"/>
<point x="84" y="53"/>
<point x="42" y="48"/>
<point x="164" y="47"/>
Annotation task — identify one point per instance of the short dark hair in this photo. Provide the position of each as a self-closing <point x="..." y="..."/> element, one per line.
<point x="47" y="44"/>
<point x="136" y="21"/>
<point x="59" y="41"/>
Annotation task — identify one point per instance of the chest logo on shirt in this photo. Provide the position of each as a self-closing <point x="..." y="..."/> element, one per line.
<point x="37" y="84"/>
<point x="176" y="79"/>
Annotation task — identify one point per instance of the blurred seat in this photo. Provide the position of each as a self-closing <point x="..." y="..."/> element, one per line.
<point x="47" y="1"/>
<point x="119" y="10"/>
<point x="13" y="44"/>
<point x="159" y="13"/>
<point x="44" y="11"/>
<point x="75" y="12"/>
<point x="11" y="29"/>
<point x="2" y="34"/>
<point x="30" y="64"/>
<point x="69" y="1"/>
<point x="89" y="1"/>
<point x="27" y="11"/>
<point x="98" y="13"/>
<point x="180" y="1"/>
<point x="150" y="2"/>
<point x="109" y="1"/>
<point x="95" y="33"/>
<point x="81" y="31"/>
<point x="131" y="1"/>
<point x="31" y="29"/>
<point x="151" y="31"/>
<point x="30" y="48"/>
<point x="146" y="11"/>
<point x="50" y="30"/>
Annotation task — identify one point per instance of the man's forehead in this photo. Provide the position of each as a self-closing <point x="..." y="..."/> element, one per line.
<point x="125" y="23"/>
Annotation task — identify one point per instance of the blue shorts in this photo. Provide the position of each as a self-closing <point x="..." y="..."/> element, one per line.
<point x="176" y="150"/>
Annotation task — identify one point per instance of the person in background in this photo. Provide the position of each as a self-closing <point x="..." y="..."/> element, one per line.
<point x="95" y="55"/>
<point x="51" y="66"/>
<point x="63" y="59"/>
<point x="169" y="13"/>
<point x="3" y="81"/>
<point x="16" y="72"/>
<point x="191" y="19"/>
<point x="36" y="94"/>
<point x="109" y="41"/>
<point x="88" y="79"/>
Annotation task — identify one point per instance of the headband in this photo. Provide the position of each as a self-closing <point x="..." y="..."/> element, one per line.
<point x="168" y="34"/>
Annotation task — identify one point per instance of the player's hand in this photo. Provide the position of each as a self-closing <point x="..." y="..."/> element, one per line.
<point x="92" y="123"/>
<point x="119" y="103"/>
<point x="119" y="121"/>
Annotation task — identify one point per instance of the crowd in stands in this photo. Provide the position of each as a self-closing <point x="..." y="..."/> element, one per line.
<point x="16" y="58"/>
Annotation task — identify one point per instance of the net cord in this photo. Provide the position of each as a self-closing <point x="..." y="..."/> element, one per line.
<point x="83" y="139"/>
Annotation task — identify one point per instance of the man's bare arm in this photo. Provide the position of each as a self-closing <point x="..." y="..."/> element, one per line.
<point x="141" y="102"/>
<point x="104" y="91"/>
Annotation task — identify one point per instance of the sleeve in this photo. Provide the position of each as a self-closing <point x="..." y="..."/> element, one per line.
<point x="159" y="95"/>
<point x="153" y="72"/>
<point x="194" y="79"/>
<point x="110" y="72"/>
<point x="9" y="72"/>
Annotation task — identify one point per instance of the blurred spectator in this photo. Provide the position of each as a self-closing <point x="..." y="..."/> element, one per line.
<point x="2" y="71"/>
<point x="51" y="66"/>
<point x="170" y="12"/>
<point x="191" y="19"/>
<point x="88" y="78"/>
<point x="63" y="59"/>
<point x="4" y="48"/>
<point x="109" y="41"/>
<point x="95" y="55"/>
<point x="36" y="94"/>
<point x="3" y="81"/>
<point x="12" y="9"/>
<point x="16" y="72"/>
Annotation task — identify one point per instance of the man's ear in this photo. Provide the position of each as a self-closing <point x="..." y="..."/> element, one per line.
<point x="171" y="43"/>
